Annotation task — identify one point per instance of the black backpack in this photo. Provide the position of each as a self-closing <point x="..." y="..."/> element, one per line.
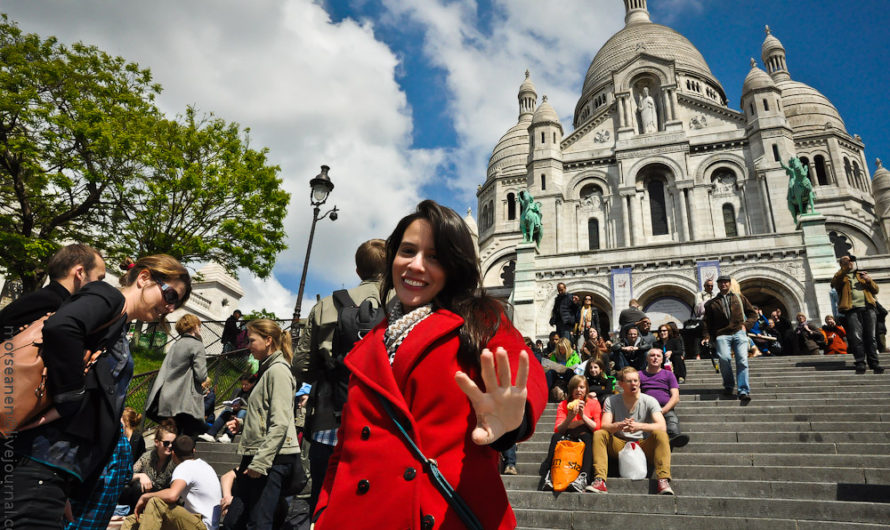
<point x="353" y="322"/>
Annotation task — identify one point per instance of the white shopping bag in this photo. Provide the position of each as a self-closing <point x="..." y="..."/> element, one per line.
<point x="632" y="462"/>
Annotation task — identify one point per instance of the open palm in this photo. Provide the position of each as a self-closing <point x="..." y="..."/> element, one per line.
<point x="501" y="407"/>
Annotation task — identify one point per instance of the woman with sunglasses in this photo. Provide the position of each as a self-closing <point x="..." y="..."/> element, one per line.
<point x="670" y="343"/>
<point x="154" y="468"/>
<point x="62" y="452"/>
<point x="179" y="387"/>
<point x="451" y="369"/>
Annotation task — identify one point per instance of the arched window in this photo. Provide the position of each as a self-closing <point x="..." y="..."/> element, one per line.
<point x="657" y="208"/>
<point x="765" y="105"/>
<point x="511" y="206"/>
<point x="543" y="137"/>
<point x="729" y="221"/>
<point x="752" y="108"/>
<point x="848" y="171"/>
<point x="857" y="175"/>
<point x="554" y="137"/>
<point x="776" y="156"/>
<point x="543" y="182"/>
<point x="593" y="234"/>
<point x="590" y="192"/>
<point x="821" y="174"/>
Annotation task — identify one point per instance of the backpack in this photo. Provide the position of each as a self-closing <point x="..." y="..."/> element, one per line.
<point x="353" y="322"/>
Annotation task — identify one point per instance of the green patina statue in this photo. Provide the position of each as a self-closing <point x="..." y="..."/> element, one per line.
<point x="800" y="189"/>
<point x="530" y="218"/>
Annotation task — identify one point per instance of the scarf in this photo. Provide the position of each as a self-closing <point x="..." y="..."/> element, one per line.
<point x="400" y="325"/>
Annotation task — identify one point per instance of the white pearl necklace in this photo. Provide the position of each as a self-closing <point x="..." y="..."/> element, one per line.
<point x="400" y="325"/>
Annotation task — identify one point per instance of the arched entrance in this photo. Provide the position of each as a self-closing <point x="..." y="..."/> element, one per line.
<point x="665" y="303"/>
<point x="768" y="295"/>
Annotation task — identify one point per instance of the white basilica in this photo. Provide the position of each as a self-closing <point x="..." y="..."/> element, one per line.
<point x="661" y="184"/>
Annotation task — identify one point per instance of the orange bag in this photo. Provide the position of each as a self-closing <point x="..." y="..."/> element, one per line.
<point x="566" y="465"/>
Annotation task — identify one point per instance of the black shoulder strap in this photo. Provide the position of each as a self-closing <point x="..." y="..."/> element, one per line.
<point x="342" y="299"/>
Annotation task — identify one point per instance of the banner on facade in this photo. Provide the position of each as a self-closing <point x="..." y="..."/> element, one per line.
<point x="622" y="289"/>
<point x="706" y="270"/>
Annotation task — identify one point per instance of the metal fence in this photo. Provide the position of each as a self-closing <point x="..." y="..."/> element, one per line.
<point x="223" y="369"/>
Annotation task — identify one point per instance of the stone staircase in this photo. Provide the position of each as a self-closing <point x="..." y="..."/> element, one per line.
<point x="810" y="451"/>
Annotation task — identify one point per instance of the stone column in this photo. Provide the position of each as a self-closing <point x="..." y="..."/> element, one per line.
<point x="764" y="195"/>
<point x="622" y="112"/>
<point x="636" y="229"/>
<point x="666" y="105"/>
<point x="625" y="212"/>
<point x="683" y="222"/>
<point x="674" y="103"/>
<point x="820" y="260"/>
<point x="523" y="298"/>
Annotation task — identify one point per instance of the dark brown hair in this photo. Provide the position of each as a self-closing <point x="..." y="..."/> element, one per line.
<point x="461" y="294"/>
<point x="187" y="323"/>
<point x="184" y="447"/>
<point x="168" y="426"/>
<point x="370" y="259"/>
<point x="70" y="256"/>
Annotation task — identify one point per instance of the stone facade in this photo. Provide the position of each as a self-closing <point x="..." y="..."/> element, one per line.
<point x="705" y="184"/>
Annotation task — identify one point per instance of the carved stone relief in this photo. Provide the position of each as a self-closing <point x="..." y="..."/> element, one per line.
<point x="699" y="122"/>
<point x="601" y="137"/>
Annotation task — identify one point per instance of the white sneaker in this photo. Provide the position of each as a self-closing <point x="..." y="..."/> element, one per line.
<point x="579" y="483"/>
<point x="206" y="438"/>
<point x="224" y="439"/>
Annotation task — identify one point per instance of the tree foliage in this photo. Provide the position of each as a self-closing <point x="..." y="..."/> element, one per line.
<point x="86" y="156"/>
<point x="260" y="313"/>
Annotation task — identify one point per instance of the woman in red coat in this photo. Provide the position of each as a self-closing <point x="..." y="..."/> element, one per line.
<point x="432" y="361"/>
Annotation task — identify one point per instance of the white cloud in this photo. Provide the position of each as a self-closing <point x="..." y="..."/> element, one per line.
<point x="269" y="295"/>
<point x="312" y="91"/>
<point x="484" y="67"/>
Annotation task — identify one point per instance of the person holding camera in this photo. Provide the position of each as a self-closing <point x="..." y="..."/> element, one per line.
<point x="856" y="292"/>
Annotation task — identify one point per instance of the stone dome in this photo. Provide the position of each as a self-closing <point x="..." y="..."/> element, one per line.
<point x="527" y="86"/>
<point x="510" y="155"/>
<point x="807" y="109"/>
<point x="545" y="113"/>
<point x="653" y="39"/>
<point x="770" y="44"/>
<point x="757" y="79"/>
<point x="880" y="187"/>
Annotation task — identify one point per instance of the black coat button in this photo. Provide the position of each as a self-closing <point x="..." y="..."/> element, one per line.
<point x="427" y="522"/>
<point x="363" y="486"/>
<point x="410" y="473"/>
<point x="366" y="432"/>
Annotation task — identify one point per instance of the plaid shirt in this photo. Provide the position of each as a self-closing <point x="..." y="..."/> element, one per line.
<point x="96" y="512"/>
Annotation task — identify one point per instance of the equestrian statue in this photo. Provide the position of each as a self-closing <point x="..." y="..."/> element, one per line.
<point x="530" y="218"/>
<point x="800" y="189"/>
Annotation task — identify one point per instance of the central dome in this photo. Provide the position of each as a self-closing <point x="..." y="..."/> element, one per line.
<point x="653" y="39"/>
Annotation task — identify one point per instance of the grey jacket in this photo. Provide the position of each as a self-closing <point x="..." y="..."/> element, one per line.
<point x="178" y="385"/>
<point x="269" y="428"/>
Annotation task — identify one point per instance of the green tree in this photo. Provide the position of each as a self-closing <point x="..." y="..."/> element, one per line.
<point x="86" y="156"/>
<point x="205" y="195"/>
<point x="260" y="313"/>
<point x="73" y="123"/>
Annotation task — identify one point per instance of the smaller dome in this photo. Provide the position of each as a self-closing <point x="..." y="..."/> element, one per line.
<point x="545" y="113"/>
<point x="527" y="86"/>
<point x="511" y="152"/>
<point x="807" y="109"/>
<point x="471" y="223"/>
<point x="757" y="79"/>
<point x="880" y="187"/>
<point x="770" y="44"/>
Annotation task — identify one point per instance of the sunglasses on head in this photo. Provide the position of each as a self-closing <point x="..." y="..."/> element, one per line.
<point x="170" y="295"/>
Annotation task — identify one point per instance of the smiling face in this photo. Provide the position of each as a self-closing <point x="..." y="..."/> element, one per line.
<point x="632" y="335"/>
<point x="594" y="369"/>
<point x="151" y="304"/>
<point x="724" y="286"/>
<point x="416" y="273"/>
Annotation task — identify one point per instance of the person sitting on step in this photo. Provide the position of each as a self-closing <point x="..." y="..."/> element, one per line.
<point x="661" y="384"/>
<point x="577" y="418"/>
<point x="631" y="417"/>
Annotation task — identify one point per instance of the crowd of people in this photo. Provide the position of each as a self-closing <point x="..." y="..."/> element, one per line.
<point x="436" y="391"/>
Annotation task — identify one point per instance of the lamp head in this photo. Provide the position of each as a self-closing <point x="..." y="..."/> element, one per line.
<point x="321" y="186"/>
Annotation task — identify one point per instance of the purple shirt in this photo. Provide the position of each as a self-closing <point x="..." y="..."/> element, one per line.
<point x="659" y="385"/>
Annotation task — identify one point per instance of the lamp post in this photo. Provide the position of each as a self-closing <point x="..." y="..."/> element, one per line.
<point x="321" y="187"/>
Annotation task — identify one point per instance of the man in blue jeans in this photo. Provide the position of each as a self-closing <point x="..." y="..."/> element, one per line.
<point x="728" y="317"/>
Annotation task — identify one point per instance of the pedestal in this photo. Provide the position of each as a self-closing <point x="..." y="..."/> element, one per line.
<point x="821" y="263"/>
<point x="524" y="289"/>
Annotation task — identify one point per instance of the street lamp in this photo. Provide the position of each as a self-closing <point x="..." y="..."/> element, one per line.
<point x="321" y="187"/>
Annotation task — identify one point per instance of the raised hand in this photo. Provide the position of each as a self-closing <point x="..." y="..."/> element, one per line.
<point x="501" y="407"/>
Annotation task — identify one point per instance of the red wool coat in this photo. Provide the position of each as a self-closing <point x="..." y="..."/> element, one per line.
<point x="373" y="479"/>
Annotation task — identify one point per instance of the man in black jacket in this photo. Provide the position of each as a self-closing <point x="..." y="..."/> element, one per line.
<point x="563" y="314"/>
<point x="230" y="331"/>
<point x="69" y="269"/>
<point x="728" y="317"/>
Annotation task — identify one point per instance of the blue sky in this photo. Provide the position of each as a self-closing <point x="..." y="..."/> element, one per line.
<point x="405" y="100"/>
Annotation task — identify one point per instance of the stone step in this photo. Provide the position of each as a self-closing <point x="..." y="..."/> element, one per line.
<point x="754" y="508"/>
<point x="762" y="447"/>
<point x="765" y="436"/>
<point x="757" y="459"/>
<point x="761" y="416"/>
<point x="755" y="408"/>
<point x="559" y="520"/>
<point x="778" y="489"/>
